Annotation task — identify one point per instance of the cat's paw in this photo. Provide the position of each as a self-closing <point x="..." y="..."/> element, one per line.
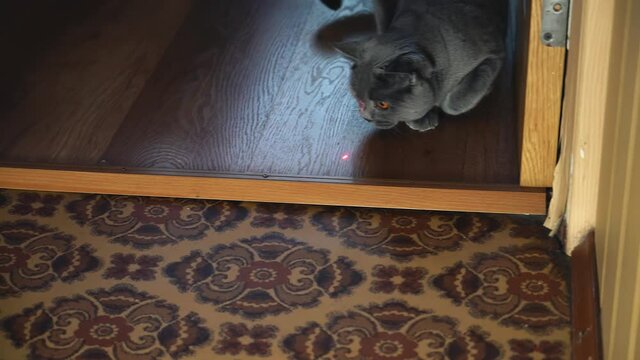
<point x="428" y="122"/>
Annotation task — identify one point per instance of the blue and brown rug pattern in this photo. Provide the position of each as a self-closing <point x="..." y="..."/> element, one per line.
<point x="134" y="278"/>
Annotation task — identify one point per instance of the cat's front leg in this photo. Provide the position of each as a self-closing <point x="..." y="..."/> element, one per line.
<point x="428" y="122"/>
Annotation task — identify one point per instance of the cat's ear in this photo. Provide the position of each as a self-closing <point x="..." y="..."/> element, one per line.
<point x="411" y="63"/>
<point x="384" y="11"/>
<point x="350" y="49"/>
<point x="472" y="88"/>
<point x="397" y="80"/>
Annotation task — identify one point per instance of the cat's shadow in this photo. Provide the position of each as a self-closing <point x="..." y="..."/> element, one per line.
<point x="392" y="154"/>
<point x="345" y="28"/>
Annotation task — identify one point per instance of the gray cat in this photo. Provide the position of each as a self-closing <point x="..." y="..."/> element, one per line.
<point x="428" y="56"/>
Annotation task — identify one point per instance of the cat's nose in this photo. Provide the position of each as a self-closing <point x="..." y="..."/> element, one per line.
<point x="362" y="106"/>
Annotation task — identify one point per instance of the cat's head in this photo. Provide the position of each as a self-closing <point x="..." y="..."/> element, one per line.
<point x="390" y="79"/>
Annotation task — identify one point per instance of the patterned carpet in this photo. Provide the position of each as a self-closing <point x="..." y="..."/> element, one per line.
<point x="114" y="277"/>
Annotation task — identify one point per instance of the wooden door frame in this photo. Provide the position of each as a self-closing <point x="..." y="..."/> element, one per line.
<point x="599" y="30"/>
<point x="540" y="103"/>
<point x="596" y="188"/>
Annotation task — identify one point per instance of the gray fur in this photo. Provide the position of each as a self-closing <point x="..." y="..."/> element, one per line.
<point x="428" y="56"/>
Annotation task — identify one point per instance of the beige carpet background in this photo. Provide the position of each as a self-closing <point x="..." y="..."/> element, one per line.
<point x="114" y="277"/>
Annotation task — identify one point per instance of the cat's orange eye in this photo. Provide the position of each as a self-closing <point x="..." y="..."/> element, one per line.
<point x="383" y="105"/>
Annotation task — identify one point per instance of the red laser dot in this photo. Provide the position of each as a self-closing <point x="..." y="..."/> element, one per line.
<point x="345" y="157"/>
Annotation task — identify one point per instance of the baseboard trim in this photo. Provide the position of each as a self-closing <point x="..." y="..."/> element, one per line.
<point x="585" y="305"/>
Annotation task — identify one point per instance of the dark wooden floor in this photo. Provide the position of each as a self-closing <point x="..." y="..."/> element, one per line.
<point x="218" y="87"/>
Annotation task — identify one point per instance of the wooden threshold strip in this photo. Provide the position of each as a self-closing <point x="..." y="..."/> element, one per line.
<point x="512" y="201"/>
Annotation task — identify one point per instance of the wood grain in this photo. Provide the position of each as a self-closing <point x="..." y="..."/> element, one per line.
<point x="260" y="97"/>
<point x="78" y="82"/>
<point x="513" y="201"/>
<point x="542" y="106"/>
<point x="315" y="123"/>
<point x="240" y="87"/>
<point x="210" y="97"/>
<point x="519" y="30"/>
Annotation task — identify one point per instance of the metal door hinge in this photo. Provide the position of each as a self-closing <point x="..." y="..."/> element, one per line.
<point x="555" y="20"/>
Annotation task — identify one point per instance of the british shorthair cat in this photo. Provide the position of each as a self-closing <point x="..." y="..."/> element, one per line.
<point x="427" y="56"/>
